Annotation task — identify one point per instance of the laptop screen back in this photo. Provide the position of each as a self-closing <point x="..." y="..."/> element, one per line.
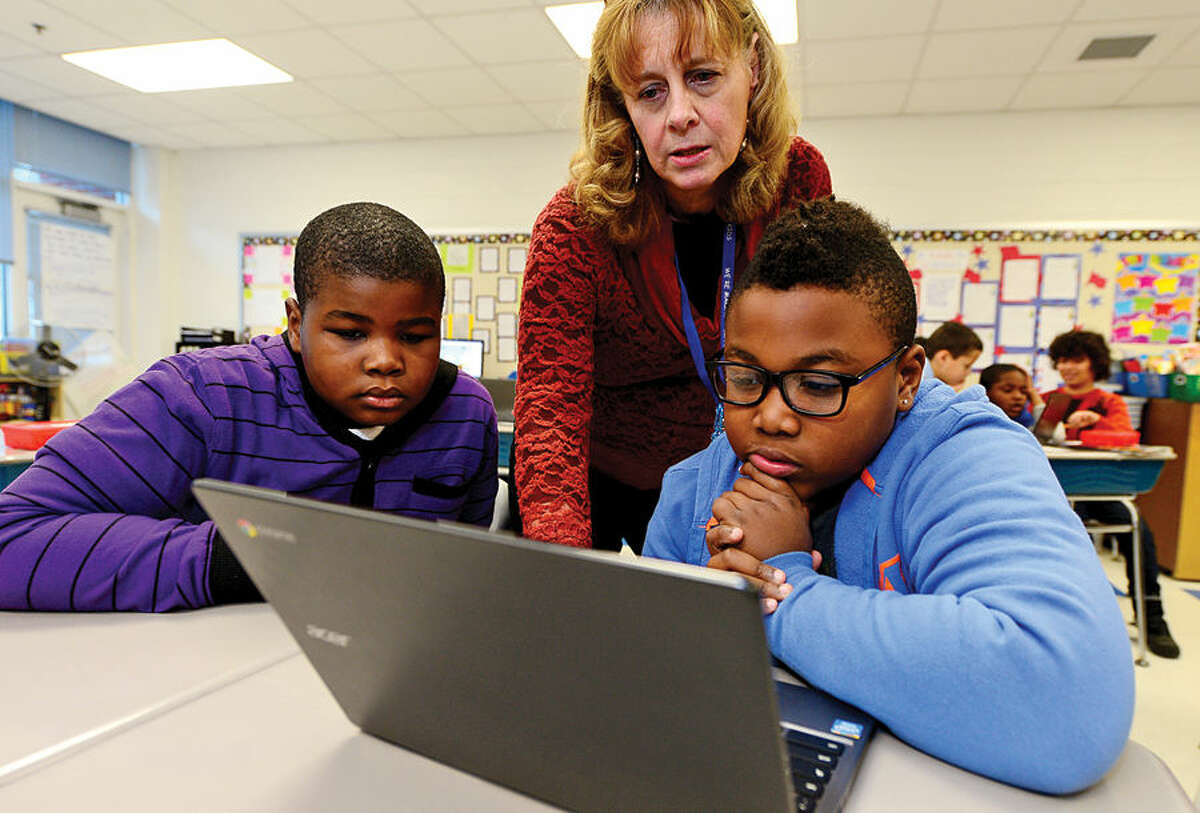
<point x="579" y="677"/>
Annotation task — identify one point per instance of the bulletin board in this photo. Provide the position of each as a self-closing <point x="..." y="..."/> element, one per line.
<point x="484" y="273"/>
<point x="1019" y="289"/>
<point x="1016" y="289"/>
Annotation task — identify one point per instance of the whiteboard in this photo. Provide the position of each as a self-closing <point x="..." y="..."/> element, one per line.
<point x="76" y="270"/>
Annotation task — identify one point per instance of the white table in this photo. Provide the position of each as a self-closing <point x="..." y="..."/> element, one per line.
<point x="72" y="675"/>
<point x="272" y="738"/>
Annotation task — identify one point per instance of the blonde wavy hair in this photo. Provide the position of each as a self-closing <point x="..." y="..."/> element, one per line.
<point x="602" y="171"/>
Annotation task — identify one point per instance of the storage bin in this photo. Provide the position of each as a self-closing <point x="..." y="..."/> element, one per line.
<point x="1106" y="476"/>
<point x="1147" y="385"/>
<point x="1185" y="387"/>
<point x="31" y="434"/>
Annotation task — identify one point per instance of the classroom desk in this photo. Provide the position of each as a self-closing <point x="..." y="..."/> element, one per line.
<point x="1114" y="475"/>
<point x="79" y="675"/>
<point x="12" y="463"/>
<point x="273" y="739"/>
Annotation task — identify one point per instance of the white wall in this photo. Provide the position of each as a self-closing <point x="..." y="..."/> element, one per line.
<point x="1126" y="168"/>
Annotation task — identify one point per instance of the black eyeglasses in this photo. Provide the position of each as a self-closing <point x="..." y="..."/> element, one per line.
<point x="819" y="393"/>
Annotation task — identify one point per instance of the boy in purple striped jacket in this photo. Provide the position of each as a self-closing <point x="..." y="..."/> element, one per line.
<point x="350" y="405"/>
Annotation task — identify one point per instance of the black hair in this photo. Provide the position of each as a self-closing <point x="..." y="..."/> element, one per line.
<point x="838" y="246"/>
<point x="954" y="337"/>
<point x="992" y="374"/>
<point x="1079" y="344"/>
<point x="365" y="239"/>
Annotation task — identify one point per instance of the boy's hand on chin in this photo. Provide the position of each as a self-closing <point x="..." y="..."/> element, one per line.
<point x="762" y="516"/>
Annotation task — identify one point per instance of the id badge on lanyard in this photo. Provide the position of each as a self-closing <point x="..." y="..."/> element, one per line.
<point x="728" y="253"/>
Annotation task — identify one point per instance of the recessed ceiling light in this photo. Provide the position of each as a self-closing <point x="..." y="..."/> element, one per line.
<point x="214" y="63"/>
<point x="577" y="21"/>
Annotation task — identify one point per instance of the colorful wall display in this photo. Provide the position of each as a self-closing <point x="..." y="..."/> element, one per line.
<point x="483" y="289"/>
<point x="1019" y="289"/>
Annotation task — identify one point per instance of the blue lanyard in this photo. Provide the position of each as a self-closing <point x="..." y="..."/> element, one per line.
<point x="728" y="252"/>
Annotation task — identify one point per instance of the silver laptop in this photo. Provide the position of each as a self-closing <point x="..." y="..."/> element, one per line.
<point x="583" y="678"/>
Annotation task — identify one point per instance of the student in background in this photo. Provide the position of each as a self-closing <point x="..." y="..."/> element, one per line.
<point x="1082" y="358"/>
<point x="952" y="349"/>
<point x="1009" y="387"/>
<point x="350" y="405"/>
<point x="962" y="618"/>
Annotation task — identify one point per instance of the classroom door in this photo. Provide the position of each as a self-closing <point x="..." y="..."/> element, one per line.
<point x="72" y="274"/>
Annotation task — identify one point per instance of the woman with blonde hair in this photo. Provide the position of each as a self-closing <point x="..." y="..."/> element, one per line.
<point x="687" y="154"/>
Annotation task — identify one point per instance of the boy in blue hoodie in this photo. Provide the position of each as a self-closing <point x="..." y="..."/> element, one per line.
<point x="915" y="555"/>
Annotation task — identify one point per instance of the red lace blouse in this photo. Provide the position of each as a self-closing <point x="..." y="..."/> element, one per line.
<point x="604" y="375"/>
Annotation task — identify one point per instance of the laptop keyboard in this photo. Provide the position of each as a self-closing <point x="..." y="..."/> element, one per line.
<point x="813" y="760"/>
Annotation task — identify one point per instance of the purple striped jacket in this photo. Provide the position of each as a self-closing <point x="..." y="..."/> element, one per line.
<point x="105" y="519"/>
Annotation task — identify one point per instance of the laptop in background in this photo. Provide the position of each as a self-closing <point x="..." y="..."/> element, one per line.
<point x="1057" y="404"/>
<point x="583" y="678"/>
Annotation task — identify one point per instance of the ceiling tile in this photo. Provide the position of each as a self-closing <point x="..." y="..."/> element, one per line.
<point x="147" y="108"/>
<point x="520" y="35"/>
<point x="377" y="91"/>
<point x="54" y="73"/>
<point x="455" y="87"/>
<point x="1064" y="53"/>
<point x="985" y="53"/>
<point x="63" y="33"/>
<point x="21" y="90"/>
<point x="346" y="127"/>
<point x="495" y="119"/>
<point x="217" y="103"/>
<point x="291" y="99"/>
<point x="435" y="8"/>
<point x="230" y="17"/>
<point x="861" y="99"/>
<point x="862" y="60"/>
<point x="146" y="135"/>
<point x="1167" y="86"/>
<point x="12" y="47"/>
<point x="1142" y="9"/>
<point x="542" y="81"/>
<point x="560" y="115"/>
<point x="214" y="135"/>
<point x="852" y="19"/>
<point x="419" y="123"/>
<point x="402" y="45"/>
<point x="962" y="15"/>
<point x="1188" y="53"/>
<point x="278" y="130"/>
<point x="137" y="22"/>
<point x="83" y="113"/>
<point x="961" y="95"/>
<point x="306" y="53"/>
<point x="1051" y="91"/>
<point x="352" y="11"/>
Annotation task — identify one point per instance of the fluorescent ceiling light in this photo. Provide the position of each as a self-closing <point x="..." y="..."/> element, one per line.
<point x="577" y="21"/>
<point x="215" y="63"/>
<point x="780" y="17"/>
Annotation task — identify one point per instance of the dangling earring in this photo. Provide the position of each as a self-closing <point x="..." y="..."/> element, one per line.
<point x="637" y="161"/>
<point x="745" y="141"/>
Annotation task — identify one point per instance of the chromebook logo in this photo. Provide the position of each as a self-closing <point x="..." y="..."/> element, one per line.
<point x="253" y="531"/>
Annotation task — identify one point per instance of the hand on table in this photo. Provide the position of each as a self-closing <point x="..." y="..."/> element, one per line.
<point x="1082" y="419"/>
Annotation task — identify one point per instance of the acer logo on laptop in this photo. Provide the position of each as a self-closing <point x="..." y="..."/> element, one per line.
<point x="255" y="531"/>
<point x="328" y="636"/>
